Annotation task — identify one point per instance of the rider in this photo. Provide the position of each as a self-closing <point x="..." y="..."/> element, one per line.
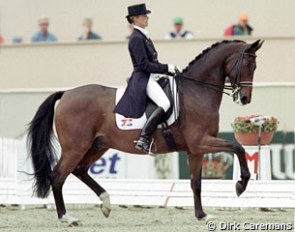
<point x="143" y="82"/>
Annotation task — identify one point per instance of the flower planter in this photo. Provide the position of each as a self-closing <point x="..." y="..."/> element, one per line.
<point x="251" y="139"/>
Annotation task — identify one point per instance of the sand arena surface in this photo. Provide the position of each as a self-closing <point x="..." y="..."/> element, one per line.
<point x="131" y="219"/>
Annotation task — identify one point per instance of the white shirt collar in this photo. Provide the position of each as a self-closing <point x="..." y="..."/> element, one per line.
<point x="142" y="30"/>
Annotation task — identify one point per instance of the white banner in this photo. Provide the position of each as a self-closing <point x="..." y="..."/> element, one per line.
<point x="113" y="164"/>
<point x="116" y="164"/>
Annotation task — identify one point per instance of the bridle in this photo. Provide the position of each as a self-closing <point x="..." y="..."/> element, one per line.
<point x="233" y="87"/>
<point x="236" y="86"/>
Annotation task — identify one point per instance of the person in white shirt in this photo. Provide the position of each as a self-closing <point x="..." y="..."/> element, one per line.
<point x="179" y="32"/>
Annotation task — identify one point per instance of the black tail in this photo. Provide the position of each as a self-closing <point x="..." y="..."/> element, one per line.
<point x="40" y="146"/>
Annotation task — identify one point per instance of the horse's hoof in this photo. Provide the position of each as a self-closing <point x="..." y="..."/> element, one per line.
<point x="207" y="218"/>
<point x="210" y="218"/>
<point x="239" y="188"/>
<point x="106" y="204"/>
<point x="105" y="211"/>
<point x="71" y="221"/>
<point x="201" y="216"/>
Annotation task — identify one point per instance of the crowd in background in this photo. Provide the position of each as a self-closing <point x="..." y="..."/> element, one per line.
<point x="179" y="32"/>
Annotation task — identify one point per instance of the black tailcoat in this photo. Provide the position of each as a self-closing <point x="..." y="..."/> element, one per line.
<point x="145" y="61"/>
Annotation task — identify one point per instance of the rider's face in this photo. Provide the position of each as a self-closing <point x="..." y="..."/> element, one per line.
<point x="141" y="21"/>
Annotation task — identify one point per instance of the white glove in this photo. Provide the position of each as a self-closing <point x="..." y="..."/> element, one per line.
<point x="173" y="69"/>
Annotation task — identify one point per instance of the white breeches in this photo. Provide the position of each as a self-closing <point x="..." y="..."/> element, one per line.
<point x="156" y="93"/>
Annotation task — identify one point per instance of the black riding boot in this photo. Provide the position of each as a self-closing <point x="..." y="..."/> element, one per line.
<point x="143" y="143"/>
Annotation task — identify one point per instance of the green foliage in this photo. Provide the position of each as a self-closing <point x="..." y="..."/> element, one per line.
<point x="240" y="124"/>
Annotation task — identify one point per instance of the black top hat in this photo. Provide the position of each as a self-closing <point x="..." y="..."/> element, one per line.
<point x="139" y="9"/>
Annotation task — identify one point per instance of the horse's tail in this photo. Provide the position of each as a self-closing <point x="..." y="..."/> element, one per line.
<point x="40" y="145"/>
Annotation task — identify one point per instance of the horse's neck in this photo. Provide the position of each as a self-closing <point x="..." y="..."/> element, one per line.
<point x="197" y="91"/>
<point x="200" y="97"/>
<point x="209" y="70"/>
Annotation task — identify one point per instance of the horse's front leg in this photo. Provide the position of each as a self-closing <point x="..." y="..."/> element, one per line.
<point x="245" y="173"/>
<point x="213" y="145"/>
<point x="195" y="162"/>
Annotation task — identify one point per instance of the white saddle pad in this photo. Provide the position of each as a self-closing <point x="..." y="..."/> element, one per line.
<point x="137" y="123"/>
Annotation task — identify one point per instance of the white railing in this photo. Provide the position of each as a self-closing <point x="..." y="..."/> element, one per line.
<point x="16" y="188"/>
<point x="215" y="193"/>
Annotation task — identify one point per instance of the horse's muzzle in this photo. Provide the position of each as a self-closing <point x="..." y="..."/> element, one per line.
<point x="245" y="100"/>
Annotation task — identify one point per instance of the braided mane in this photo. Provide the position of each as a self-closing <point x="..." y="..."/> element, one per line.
<point x="204" y="52"/>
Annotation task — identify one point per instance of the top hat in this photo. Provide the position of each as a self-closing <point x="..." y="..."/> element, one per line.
<point x="139" y="9"/>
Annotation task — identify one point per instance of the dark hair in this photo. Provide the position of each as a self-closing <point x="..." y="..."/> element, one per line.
<point x="130" y="19"/>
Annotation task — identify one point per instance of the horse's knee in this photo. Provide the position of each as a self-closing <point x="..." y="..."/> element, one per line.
<point x="238" y="149"/>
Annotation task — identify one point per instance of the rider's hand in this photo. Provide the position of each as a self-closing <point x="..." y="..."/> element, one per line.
<point x="173" y="69"/>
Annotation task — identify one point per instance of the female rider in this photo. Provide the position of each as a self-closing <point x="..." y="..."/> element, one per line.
<point x="143" y="82"/>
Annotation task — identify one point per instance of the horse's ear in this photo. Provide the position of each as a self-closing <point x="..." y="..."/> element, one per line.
<point x="255" y="46"/>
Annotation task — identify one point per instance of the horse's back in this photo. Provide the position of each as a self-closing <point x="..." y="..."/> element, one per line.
<point x="86" y="102"/>
<point x="89" y="94"/>
<point x="91" y="90"/>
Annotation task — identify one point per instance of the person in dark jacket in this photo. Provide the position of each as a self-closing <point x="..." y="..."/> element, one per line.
<point x="88" y="34"/>
<point x="243" y="28"/>
<point x="143" y="82"/>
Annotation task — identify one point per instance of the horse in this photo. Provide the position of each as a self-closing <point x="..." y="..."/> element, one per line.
<point x="85" y="125"/>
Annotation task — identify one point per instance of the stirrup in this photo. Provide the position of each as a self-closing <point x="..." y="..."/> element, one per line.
<point x="144" y="145"/>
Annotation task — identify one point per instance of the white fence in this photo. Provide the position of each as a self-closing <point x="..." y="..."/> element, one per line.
<point x="16" y="188"/>
<point x="215" y="193"/>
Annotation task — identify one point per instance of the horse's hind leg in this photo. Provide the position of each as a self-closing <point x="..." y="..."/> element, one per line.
<point x="57" y="182"/>
<point x="81" y="172"/>
<point x="65" y="166"/>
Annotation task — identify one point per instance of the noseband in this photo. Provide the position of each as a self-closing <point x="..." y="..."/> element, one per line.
<point x="237" y="84"/>
<point x="233" y="87"/>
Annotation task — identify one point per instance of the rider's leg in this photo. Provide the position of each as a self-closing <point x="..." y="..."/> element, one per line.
<point x="157" y="95"/>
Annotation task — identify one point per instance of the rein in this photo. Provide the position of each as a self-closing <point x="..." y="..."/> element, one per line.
<point x="213" y="86"/>
<point x="235" y="87"/>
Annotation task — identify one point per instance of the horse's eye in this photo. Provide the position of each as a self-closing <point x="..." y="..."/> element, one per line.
<point x="250" y="65"/>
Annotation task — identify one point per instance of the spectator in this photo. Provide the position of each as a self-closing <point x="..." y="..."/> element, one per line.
<point x="241" y="28"/>
<point x="179" y="32"/>
<point x="17" y="39"/>
<point x="88" y="34"/>
<point x="43" y="35"/>
<point x="1" y="39"/>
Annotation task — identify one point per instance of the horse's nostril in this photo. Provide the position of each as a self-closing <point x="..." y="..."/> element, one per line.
<point x="244" y="100"/>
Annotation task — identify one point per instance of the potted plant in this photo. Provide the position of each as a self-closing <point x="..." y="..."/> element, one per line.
<point x="246" y="131"/>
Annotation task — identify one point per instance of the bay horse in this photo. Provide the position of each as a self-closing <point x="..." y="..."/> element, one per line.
<point x="86" y="128"/>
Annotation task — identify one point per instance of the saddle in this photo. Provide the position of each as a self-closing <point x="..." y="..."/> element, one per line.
<point x="169" y="87"/>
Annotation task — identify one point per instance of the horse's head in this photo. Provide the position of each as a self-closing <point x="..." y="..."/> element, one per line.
<point x="240" y="70"/>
